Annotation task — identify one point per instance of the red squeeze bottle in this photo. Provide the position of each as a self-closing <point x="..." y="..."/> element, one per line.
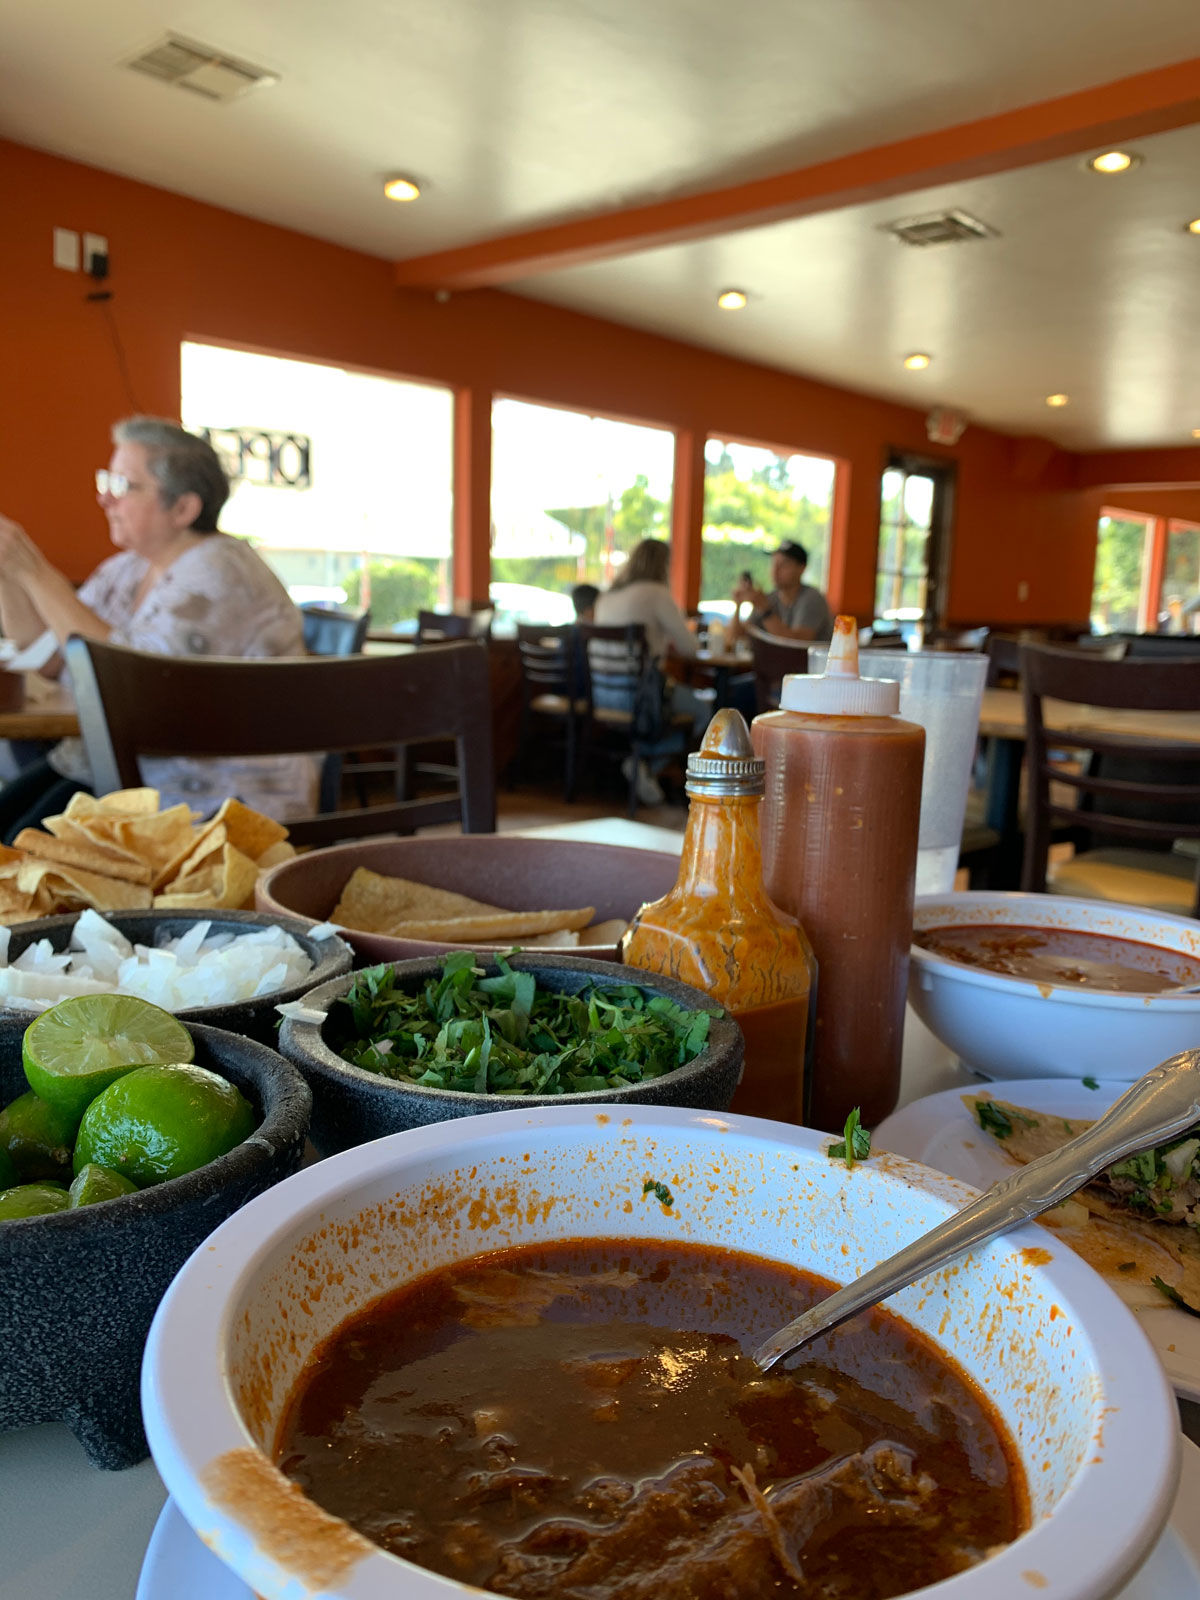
<point x="840" y="821"/>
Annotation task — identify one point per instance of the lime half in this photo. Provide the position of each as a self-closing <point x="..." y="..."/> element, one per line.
<point x="83" y="1044"/>
<point x="32" y="1200"/>
<point x="96" y="1183"/>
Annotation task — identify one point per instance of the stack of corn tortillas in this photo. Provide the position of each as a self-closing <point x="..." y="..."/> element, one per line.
<point x="404" y="909"/>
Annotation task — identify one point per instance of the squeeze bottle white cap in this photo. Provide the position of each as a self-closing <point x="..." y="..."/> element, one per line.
<point x="839" y="691"/>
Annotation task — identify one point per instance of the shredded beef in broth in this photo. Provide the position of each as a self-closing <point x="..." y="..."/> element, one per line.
<point x="535" y="1423"/>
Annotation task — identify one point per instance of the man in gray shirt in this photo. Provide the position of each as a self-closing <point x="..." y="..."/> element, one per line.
<point x="793" y="610"/>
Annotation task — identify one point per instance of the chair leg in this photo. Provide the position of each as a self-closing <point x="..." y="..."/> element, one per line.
<point x="570" y="758"/>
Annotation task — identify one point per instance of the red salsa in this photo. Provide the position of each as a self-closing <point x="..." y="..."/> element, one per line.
<point x="1063" y="957"/>
<point x="581" y="1421"/>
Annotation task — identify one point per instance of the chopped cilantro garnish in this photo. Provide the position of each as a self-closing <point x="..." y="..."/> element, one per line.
<point x="999" y="1123"/>
<point x="1174" y="1296"/>
<point x="504" y="1035"/>
<point x="855" y="1144"/>
<point x="658" y="1190"/>
<point x="1090" y="1083"/>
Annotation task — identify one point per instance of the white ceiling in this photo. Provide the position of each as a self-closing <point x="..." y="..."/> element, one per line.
<point x="514" y="112"/>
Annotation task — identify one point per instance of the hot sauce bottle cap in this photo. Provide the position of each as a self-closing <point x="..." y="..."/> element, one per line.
<point x="725" y="764"/>
<point x="839" y="691"/>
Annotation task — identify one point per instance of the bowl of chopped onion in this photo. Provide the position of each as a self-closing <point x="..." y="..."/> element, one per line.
<point x="408" y="1043"/>
<point x="228" y="969"/>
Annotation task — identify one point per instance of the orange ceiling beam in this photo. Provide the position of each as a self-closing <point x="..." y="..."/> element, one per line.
<point x="1091" y="119"/>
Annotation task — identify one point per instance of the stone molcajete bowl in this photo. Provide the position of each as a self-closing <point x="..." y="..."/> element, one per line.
<point x="78" y="1289"/>
<point x="352" y="1106"/>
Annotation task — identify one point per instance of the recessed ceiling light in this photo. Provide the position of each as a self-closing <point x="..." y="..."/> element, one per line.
<point x="1113" y="161"/>
<point x="402" y="189"/>
<point x="918" y="361"/>
<point x="1058" y="399"/>
<point x="732" y="299"/>
<point x="1193" y="226"/>
<point x="1196" y="433"/>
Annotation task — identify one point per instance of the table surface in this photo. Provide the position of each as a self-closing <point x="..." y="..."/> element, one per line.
<point x="1002" y="716"/>
<point x="69" y="1532"/>
<point x="48" y="713"/>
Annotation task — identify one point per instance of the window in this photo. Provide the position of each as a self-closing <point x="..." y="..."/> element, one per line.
<point x="1124" y="549"/>
<point x="571" y="496"/>
<point x="756" y="499"/>
<point x="342" y="480"/>
<point x="914" y="541"/>
<point x="1180" y="590"/>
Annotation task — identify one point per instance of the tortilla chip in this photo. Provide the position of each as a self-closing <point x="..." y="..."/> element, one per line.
<point x="497" y="928"/>
<point x="78" y="890"/>
<point x="121" y="802"/>
<point x="271" y="857"/>
<point x="371" y="902"/>
<point x="249" y="831"/>
<point x="48" y="848"/>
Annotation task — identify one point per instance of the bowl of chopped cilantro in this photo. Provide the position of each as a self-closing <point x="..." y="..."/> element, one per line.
<point x="401" y="1045"/>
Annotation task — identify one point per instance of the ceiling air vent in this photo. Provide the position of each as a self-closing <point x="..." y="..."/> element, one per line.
<point x="942" y="227"/>
<point x="200" y="68"/>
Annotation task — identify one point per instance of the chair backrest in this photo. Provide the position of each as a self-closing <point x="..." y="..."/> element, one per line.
<point x="329" y="632"/>
<point x="1132" y="786"/>
<point x="549" y="659"/>
<point x="614" y="657"/>
<point x="435" y="627"/>
<point x="132" y="703"/>
<point x="886" y="639"/>
<point x="1004" y="659"/>
<point x="773" y="659"/>
<point x="1163" y="647"/>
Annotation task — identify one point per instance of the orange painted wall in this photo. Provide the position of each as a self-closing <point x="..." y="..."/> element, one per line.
<point x="186" y="270"/>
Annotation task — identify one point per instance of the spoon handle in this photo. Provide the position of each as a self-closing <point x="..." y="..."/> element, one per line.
<point x="1162" y="1104"/>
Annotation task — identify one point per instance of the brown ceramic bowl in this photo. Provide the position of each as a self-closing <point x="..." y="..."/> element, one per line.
<point x="503" y="869"/>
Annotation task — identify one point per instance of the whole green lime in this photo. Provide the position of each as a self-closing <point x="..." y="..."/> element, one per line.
<point x="32" y="1200"/>
<point x="160" y="1122"/>
<point x="81" y="1045"/>
<point x="96" y="1183"/>
<point x="37" y="1138"/>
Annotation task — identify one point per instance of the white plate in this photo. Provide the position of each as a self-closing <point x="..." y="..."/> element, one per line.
<point x="941" y="1132"/>
<point x="179" y="1567"/>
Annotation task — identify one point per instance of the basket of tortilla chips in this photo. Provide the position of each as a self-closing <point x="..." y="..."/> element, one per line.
<point x="396" y="899"/>
<point x="120" y="852"/>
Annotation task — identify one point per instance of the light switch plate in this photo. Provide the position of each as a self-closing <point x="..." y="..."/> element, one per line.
<point x="66" y="249"/>
<point x="94" y="244"/>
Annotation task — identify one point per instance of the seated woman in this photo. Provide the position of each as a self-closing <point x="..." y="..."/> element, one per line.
<point x="177" y="586"/>
<point x="640" y="594"/>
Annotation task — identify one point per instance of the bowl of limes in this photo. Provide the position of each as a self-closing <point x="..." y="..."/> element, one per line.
<point x="125" y="1138"/>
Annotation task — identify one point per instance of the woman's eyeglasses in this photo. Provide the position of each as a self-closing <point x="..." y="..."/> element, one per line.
<point x="114" y="484"/>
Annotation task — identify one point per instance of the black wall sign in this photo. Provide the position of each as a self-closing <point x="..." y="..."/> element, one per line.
<point x="256" y="455"/>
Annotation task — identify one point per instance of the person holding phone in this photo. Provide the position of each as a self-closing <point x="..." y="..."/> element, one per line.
<point x="792" y="610"/>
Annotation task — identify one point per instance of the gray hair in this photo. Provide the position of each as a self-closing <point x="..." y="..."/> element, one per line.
<point x="180" y="463"/>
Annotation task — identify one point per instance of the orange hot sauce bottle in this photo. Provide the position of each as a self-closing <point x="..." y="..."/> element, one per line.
<point x="718" y="930"/>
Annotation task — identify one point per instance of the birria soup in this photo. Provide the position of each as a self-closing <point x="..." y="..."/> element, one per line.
<point x="581" y="1420"/>
<point x="1063" y="957"/>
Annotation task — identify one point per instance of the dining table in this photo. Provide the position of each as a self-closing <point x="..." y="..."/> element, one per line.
<point x="48" y="712"/>
<point x="71" y="1532"/>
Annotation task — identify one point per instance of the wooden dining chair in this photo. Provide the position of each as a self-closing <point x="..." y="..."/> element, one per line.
<point x="132" y="703"/>
<point x="552" y="697"/>
<point x="1126" y="788"/>
<point x="617" y="665"/>
<point x="773" y="659"/>
<point x="435" y="627"/>
<point x="331" y="632"/>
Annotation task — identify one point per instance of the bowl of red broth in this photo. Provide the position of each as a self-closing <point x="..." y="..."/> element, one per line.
<point x="511" y="1353"/>
<point x="1038" y="985"/>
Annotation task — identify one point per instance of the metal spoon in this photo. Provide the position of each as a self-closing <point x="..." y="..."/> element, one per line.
<point x="1162" y="1104"/>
